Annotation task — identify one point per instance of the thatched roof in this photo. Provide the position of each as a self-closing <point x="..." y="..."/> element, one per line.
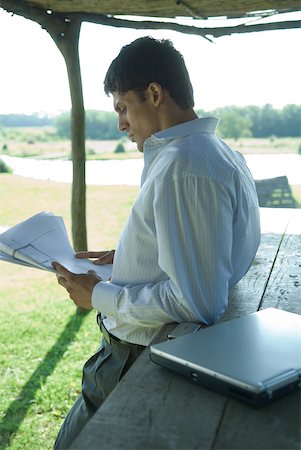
<point x="171" y="8"/>
<point x="111" y="12"/>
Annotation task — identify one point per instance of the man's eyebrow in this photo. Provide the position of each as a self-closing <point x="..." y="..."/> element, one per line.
<point x="118" y="106"/>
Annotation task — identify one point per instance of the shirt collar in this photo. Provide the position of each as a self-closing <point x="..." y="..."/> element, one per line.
<point x="153" y="145"/>
<point x="202" y="125"/>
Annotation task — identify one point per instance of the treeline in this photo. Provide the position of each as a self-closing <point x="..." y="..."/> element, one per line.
<point x="100" y="125"/>
<point x="25" y="120"/>
<point x="258" y="122"/>
<point x="236" y="122"/>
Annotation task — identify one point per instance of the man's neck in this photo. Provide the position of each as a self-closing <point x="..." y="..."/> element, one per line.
<point x="175" y="116"/>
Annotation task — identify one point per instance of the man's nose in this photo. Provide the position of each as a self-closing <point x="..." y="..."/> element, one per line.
<point x="122" y="124"/>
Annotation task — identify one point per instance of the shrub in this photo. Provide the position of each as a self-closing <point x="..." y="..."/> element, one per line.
<point x="4" y="167"/>
<point x="4" y="147"/>
<point x="299" y="149"/>
<point x="119" y="148"/>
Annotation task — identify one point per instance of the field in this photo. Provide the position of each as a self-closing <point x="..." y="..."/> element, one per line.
<point x="43" y="143"/>
<point x="43" y="341"/>
<point x="271" y="145"/>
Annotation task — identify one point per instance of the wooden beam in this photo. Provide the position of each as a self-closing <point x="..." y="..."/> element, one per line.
<point x="188" y="29"/>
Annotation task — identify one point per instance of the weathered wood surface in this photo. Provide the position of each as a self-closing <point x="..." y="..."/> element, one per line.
<point x="153" y="408"/>
<point x="276" y="426"/>
<point x="284" y="288"/>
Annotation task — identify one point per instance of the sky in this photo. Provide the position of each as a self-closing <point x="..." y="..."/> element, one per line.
<point x="242" y="69"/>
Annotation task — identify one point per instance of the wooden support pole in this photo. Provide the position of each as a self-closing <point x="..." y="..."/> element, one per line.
<point x="67" y="42"/>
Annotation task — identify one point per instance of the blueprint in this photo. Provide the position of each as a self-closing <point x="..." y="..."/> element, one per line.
<point x="42" y="239"/>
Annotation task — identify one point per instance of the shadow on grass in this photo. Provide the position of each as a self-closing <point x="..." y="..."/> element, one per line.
<point x="17" y="410"/>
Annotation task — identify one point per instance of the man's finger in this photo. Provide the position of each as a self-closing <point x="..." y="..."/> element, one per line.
<point x="61" y="269"/>
<point x="103" y="257"/>
<point x="92" y="272"/>
<point x="106" y="258"/>
<point x="89" y="254"/>
<point x="62" y="281"/>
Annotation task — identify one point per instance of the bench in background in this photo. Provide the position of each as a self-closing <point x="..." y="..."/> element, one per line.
<point x="275" y="193"/>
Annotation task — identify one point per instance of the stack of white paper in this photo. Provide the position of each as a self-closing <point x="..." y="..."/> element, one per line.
<point x="42" y="239"/>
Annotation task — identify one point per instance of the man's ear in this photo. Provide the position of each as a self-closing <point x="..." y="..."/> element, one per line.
<point x="155" y="93"/>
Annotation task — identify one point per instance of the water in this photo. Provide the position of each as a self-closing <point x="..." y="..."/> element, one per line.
<point x="112" y="172"/>
<point x="115" y="172"/>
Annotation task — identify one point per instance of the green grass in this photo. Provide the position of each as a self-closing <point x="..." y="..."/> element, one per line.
<point x="43" y="342"/>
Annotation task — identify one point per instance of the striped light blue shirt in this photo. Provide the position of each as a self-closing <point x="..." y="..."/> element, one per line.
<point x="192" y="234"/>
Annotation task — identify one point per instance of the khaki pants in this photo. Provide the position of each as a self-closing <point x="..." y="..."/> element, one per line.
<point x="101" y="373"/>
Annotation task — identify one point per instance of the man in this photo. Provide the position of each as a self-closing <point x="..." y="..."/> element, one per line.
<point x="192" y="233"/>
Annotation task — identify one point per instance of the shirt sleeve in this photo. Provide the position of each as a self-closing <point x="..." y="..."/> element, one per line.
<point x="193" y="221"/>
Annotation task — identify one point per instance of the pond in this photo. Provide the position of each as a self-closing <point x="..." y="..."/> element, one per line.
<point x="116" y="172"/>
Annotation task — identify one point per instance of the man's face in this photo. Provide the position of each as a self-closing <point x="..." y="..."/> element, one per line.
<point x="137" y="116"/>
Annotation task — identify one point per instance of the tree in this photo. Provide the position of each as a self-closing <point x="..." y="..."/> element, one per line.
<point x="291" y="120"/>
<point x="99" y="125"/>
<point x="234" y="125"/>
<point x="62" y="125"/>
<point x="119" y="148"/>
<point x="4" y="168"/>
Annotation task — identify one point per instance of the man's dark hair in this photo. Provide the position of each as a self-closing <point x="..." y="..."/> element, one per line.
<point x="148" y="60"/>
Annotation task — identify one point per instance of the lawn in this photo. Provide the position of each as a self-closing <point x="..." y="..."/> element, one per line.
<point x="43" y="341"/>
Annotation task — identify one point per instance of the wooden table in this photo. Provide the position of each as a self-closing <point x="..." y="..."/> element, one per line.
<point x="154" y="408"/>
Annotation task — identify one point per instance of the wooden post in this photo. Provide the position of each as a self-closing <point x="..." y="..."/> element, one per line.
<point x="67" y="42"/>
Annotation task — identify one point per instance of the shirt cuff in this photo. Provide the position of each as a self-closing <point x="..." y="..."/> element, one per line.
<point x="104" y="297"/>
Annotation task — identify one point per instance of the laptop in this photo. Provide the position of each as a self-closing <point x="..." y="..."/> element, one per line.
<point x="255" y="358"/>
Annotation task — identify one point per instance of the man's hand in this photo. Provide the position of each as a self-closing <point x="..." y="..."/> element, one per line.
<point x="78" y="286"/>
<point x="105" y="257"/>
